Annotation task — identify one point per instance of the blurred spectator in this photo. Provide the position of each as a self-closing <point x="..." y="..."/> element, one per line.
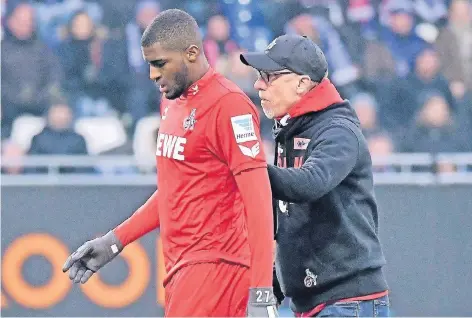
<point x="244" y="76"/>
<point x="400" y="97"/>
<point x="98" y="51"/>
<point x="379" y="141"/>
<point x="143" y="96"/>
<point x="58" y="137"/>
<point x="400" y="38"/>
<point x="53" y="17"/>
<point x="276" y="12"/>
<point x="217" y="41"/>
<point x="343" y="72"/>
<point x="113" y="78"/>
<point x="359" y="24"/>
<point x="426" y="77"/>
<point x="365" y="106"/>
<point x="454" y="45"/>
<point x="435" y="129"/>
<point x="12" y="151"/>
<point x="431" y="11"/>
<point x="201" y="10"/>
<point x="80" y="56"/>
<point x="380" y="145"/>
<point x="31" y="74"/>
<point x="117" y="13"/>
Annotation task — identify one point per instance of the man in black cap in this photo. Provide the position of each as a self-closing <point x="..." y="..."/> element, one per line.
<point x="328" y="257"/>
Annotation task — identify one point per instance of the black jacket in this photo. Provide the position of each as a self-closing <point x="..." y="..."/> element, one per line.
<point x="54" y="142"/>
<point x="326" y="213"/>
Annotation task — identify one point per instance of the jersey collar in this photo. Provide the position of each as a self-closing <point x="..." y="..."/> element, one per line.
<point x="196" y="87"/>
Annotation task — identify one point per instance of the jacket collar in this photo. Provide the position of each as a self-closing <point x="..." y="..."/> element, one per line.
<point x="319" y="98"/>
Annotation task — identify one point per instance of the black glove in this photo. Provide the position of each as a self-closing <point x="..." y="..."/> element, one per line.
<point x="92" y="256"/>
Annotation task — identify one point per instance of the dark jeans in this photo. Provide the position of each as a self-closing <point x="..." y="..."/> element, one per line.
<point x="367" y="308"/>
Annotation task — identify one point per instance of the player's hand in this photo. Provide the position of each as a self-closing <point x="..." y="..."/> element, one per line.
<point x="92" y="256"/>
<point x="262" y="303"/>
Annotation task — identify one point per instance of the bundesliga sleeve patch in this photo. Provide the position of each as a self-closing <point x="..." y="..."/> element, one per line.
<point x="243" y="128"/>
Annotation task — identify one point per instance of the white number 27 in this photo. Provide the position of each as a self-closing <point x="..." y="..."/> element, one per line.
<point x="260" y="295"/>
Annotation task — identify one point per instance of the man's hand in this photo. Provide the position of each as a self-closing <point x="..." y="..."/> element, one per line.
<point x="92" y="256"/>
<point x="262" y="303"/>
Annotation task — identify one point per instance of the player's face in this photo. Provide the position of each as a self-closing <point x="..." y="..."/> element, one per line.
<point x="167" y="69"/>
<point x="278" y="92"/>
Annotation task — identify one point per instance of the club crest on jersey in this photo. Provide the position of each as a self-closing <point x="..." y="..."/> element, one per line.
<point x="243" y="128"/>
<point x="164" y="114"/>
<point x="189" y="122"/>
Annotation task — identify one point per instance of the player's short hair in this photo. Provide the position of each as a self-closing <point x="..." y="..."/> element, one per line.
<point x="174" y="29"/>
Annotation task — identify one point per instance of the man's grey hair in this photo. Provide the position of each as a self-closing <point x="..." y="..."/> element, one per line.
<point x="174" y="30"/>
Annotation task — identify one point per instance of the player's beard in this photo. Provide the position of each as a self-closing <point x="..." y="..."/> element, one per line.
<point x="180" y="83"/>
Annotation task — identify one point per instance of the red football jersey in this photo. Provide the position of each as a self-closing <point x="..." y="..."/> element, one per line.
<point x="205" y="138"/>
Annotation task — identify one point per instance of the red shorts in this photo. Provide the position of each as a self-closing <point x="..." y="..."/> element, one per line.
<point x="208" y="289"/>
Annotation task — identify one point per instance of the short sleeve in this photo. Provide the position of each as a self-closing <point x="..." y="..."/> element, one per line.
<point x="234" y="134"/>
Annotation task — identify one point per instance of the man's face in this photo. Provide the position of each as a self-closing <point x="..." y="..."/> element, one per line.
<point x="460" y="12"/>
<point x="60" y="117"/>
<point x="427" y="64"/>
<point x="218" y="28"/>
<point x="380" y="145"/>
<point x="168" y="69"/>
<point x="278" y="92"/>
<point x="21" y="23"/>
<point x="366" y="114"/>
<point x="401" y="23"/>
<point x="435" y="112"/>
<point x="82" y="27"/>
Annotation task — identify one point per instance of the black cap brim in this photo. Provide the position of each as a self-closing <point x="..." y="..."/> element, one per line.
<point x="260" y="61"/>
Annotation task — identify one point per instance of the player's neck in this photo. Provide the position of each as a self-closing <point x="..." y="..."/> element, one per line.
<point x="200" y="70"/>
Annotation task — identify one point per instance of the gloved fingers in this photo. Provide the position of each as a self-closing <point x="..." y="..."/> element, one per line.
<point x="86" y="276"/>
<point x="77" y="255"/>
<point x="74" y="269"/>
<point x="67" y="264"/>
<point x="80" y="274"/>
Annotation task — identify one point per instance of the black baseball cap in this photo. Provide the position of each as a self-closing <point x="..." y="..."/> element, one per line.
<point x="296" y="53"/>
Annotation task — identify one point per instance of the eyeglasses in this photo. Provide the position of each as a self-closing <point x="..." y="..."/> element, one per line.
<point x="270" y="77"/>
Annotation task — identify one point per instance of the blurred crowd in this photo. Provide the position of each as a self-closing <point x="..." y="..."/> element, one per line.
<point x="405" y="65"/>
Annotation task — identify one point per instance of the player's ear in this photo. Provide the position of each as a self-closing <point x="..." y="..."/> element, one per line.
<point x="192" y="53"/>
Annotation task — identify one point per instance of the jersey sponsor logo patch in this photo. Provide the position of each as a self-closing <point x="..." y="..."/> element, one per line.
<point x="170" y="146"/>
<point x="250" y="152"/>
<point x="243" y="128"/>
<point x="300" y="143"/>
